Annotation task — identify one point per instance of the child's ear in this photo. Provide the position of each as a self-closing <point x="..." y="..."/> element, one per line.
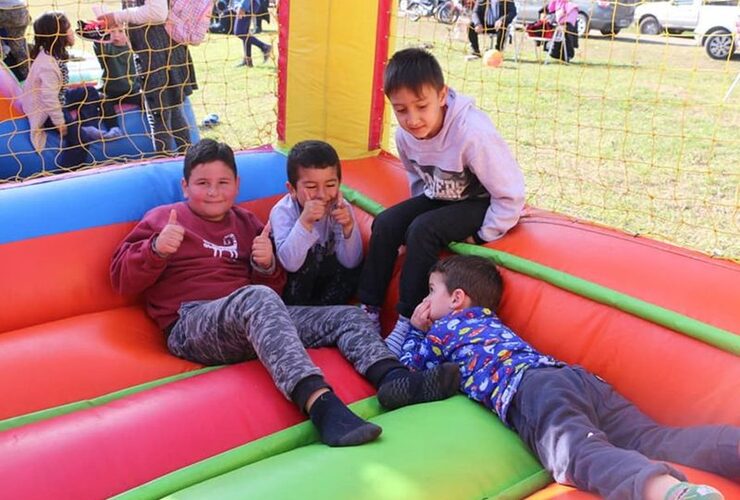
<point x="291" y="189"/>
<point x="443" y="95"/>
<point x="458" y="296"/>
<point x="184" y="185"/>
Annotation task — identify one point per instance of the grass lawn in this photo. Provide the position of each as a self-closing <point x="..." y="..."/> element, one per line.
<point x="633" y="134"/>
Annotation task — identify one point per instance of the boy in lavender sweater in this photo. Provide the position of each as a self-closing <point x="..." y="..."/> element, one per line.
<point x="465" y="184"/>
<point x="317" y="240"/>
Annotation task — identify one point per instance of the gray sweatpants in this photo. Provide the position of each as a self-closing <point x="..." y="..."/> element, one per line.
<point x="254" y="323"/>
<point x="589" y="436"/>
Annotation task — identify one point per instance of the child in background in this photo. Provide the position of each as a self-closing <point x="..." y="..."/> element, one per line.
<point x="120" y="79"/>
<point x="248" y="10"/>
<point x="317" y="240"/>
<point x="208" y="272"/>
<point x="583" y="432"/>
<point x="44" y="97"/>
<point x="465" y="184"/>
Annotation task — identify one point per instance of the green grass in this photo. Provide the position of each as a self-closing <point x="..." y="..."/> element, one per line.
<point x="634" y="134"/>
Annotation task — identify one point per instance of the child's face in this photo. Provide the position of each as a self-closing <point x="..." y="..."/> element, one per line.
<point x="70" y="36"/>
<point x="441" y="301"/>
<point x="118" y="37"/>
<point x="211" y="190"/>
<point x="316" y="184"/>
<point x="420" y="115"/>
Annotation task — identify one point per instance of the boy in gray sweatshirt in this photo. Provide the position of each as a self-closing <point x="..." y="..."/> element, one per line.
<point x="465" y="184"/>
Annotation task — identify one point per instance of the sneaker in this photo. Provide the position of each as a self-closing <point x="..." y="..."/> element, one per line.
<point x="373" y="313"/>
<point x="247" y="61"/>
<point x="92" y="30"/>
<point x="441" y="382"/>
<point x="267" y="53"/>
<point x="689" y="491"/>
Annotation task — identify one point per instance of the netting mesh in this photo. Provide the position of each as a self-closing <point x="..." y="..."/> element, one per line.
<point x="637" y="132"/>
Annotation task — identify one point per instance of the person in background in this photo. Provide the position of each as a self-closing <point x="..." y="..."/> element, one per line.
<point x="248" y="10"/>
<point x="165" y="66"/>
<point x="490" y="17"/>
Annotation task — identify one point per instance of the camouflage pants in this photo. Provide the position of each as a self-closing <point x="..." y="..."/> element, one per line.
<point x="252" y="322"/>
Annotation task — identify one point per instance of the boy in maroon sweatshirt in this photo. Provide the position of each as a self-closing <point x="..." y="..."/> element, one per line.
<point x="208" y="272"/>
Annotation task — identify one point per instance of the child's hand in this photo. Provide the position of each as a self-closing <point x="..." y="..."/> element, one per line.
<point x="262" y="253"/>
<point x="170" y="238"/>
<point x="313" y="211"/>
<point x="479" y="28"/>
<point x="421" y="319"/>
<point x="342" y="216"/>
<point x="108" y="19"/>
<point x="63" y="130"/>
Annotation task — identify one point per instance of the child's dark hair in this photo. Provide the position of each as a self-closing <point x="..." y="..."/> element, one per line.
<point x="312" y="154"/>
<point x="50" y="34"/>
<point x="412" y="69"/>
<point x="206" y="151"/>
<point x="476" y="276"/>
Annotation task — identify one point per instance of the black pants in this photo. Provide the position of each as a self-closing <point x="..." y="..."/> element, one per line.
<point x="588" y="435"/>
<point x="489" y="30"/>
<point x="321" y="281"/>
<point x="565" y="50"/>
<point x="426" y="227"/>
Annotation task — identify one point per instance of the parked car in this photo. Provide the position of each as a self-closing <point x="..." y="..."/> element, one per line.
<point x="718" y="30"/>
<point x="674" y="16"/>
<point x="607" y="16"/>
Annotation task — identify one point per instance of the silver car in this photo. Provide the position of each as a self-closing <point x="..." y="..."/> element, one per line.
<point x="607" y="16"/>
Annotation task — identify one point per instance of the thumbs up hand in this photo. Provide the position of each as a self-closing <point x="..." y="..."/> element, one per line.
<point x="262" y="254"/>
<point x="170" y="238"/>
<point x="342" y="216"/>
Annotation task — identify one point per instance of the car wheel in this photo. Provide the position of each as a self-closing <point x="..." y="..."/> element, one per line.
<point x="719" y="44"/>
<point x="610" y="31"/>
<point x="674" y="31"/>
<point x="649" y="26"/>
<point x="582" y="25"/>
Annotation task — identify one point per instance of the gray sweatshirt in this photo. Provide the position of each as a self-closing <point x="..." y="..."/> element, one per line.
<point x="466" y="159"/>
<point x="293" y="241"/>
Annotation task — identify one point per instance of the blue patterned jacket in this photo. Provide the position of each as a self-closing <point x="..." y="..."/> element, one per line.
<point x="492" y="358"/>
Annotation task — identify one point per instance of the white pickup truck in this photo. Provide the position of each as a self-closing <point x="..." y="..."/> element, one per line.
<point x="677" y="16"/>
<point x="714" y="22"/>
<point x="718" y="30"/>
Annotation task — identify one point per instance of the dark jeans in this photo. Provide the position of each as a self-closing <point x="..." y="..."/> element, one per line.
<point x="242" y="31"/>
<point x="426" y="227"/>
<point x="321" y="281"/>
<point x="589" y="436"/>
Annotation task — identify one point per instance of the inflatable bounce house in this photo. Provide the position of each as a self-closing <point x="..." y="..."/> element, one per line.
<point x="94" y="406"/>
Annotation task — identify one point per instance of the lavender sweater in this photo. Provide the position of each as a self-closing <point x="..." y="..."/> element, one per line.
<point x="466" y="159"/>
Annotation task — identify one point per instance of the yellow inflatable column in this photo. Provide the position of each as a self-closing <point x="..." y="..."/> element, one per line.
<point x="332" y="55"/>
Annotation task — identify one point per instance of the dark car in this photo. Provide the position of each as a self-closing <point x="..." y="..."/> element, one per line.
<point x="607" y="16"/>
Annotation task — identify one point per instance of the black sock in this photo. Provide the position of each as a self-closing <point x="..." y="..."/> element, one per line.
<point x="337" y="425"/>
<point x="403" y="389"/>
<point x="380" y="372"/>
